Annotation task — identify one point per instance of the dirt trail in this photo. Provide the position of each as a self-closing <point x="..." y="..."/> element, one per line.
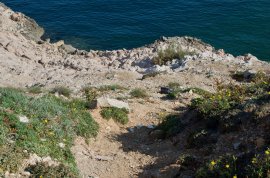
<point x="125" y="151"/>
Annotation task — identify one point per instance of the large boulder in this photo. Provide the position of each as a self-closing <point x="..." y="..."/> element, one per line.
<point x="108" y="102"/>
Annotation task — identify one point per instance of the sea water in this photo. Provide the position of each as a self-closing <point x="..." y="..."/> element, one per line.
<point x="237" y="26"/>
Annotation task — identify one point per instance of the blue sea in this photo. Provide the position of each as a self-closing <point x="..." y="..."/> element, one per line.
<point x="237" y="26"/>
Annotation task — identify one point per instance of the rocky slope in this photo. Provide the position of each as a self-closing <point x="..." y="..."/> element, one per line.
<point x="126" y="151"/>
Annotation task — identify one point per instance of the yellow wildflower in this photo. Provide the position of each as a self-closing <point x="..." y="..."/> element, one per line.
<point x="51" y="133"/>
<point x="267" y="152"/>
<point x="235" y="176"/>
<point x="213" y="163"/>
<point x="40" y="176"/>
<point x="46" y="121"/>
<point x="254" y="161"/>
<point x="269" y="93"/>
<point x="227" y="166"/>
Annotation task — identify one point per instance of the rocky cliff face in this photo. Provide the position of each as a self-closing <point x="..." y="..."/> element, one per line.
<point x="28" y="60"/>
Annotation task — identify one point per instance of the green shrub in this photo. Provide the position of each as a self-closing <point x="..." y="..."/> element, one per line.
<point x="171" y="125"/>
<point x="172" y="52"/>
<point x="237" y="166"/>
<point x="61" y="90"/>
<point x="228" y="97"/>
<point x="51" y="121"/>
<point x="117" y="114"/>
<point x="10" y="158"/>
<point x="42" y="170"/>
<point x="91" y="95"/>
<point x="138" y="93"/>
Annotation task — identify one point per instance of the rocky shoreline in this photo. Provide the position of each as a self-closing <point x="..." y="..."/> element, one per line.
<point x="35" y="61"/>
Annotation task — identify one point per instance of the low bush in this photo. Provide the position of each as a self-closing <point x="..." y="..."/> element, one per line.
<point x="229" y="97"/>
<point x="39" y="125"/>
<point x="171" y="125"/>
<point x="42" y="170"/>
<point x="247" y="165"/>
<point x="172" y="52"/>
<point x="138" y="93"/>
<point x="91" y="95"/>
<point x="117" y="114"/>
<point x="61" y="90"/>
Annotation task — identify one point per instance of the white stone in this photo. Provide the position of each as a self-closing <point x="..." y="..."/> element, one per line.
<point x="23" y="119"/>
<point x="108" y="102"/>
<point x="62" y="145"/>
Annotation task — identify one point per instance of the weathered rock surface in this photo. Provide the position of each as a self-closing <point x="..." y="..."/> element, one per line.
<point x="29" y="60"/>
<point x="108" y="102"/>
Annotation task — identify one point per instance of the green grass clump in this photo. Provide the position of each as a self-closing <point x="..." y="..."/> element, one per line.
<point x="174" y="85"/>
<point x="117" y="114"/>
<point x="113" y="87"/>
<point x="138" y="93"/>
<point x="51" y="121"/>
<point x="35" y="90"/>
<point x="61" y="90"/>
<point x="172" y="52"/>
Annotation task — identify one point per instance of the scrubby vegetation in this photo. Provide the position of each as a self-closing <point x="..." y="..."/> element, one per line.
<point x="175" y="90"/>
<point x="170" y="125"/>
<point x="114" y="87"/>
<point x="247" y="165"/>
<point x="117" y="114"/>
<point x="43" y="170"/>
<point x="35" y="90"/>
<point x="138" y="93"/>
<point x="91" y="95"/>
<point x="39" y="125"/>
<point x="236" y="109"/>
<point x="170" y="53"/>
<point x="61" y="90"/>
<point x="230" y="97"/>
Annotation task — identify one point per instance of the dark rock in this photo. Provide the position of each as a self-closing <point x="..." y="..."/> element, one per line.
<point x="165" y="90"/>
